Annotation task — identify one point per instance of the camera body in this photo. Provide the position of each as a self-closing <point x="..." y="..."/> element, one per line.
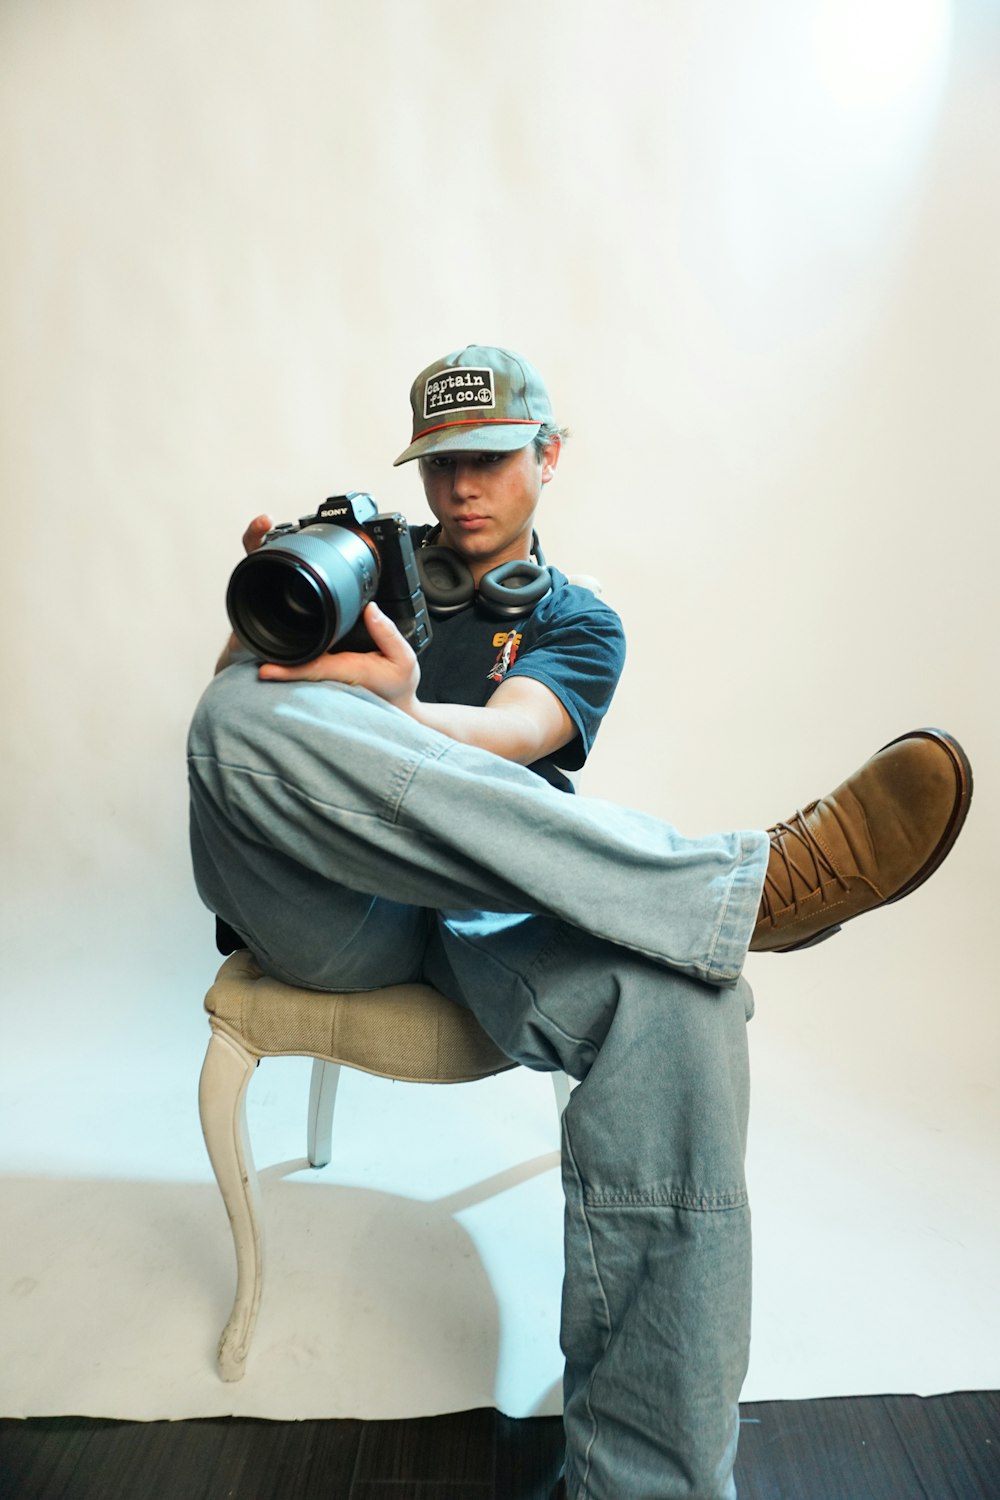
<point x="304" y="589"/>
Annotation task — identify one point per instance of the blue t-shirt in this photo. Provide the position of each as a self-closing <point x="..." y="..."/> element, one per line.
<point x="571" y="642"/>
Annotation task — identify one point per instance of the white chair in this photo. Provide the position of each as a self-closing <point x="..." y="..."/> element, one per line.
<point x="409" y="1032"/>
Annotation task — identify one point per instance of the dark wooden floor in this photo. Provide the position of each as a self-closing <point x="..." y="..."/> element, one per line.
<point x="865" y="1448"/>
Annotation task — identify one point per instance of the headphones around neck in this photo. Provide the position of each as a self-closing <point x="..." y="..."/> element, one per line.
<point x="504" y="593"/>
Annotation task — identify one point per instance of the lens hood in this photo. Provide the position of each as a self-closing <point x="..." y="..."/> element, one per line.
<point x="301" y="592"/>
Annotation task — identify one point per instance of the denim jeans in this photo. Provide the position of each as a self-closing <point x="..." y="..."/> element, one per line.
<point x="352" y="848"/>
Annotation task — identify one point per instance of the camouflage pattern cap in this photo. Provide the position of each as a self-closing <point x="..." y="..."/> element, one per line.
<point x="480" y="398"/>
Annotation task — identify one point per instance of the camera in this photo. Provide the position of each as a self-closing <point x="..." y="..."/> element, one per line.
<point x="302" y="592"/>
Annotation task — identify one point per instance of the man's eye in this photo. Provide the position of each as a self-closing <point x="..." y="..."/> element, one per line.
<point x="442" y="463"/>
<point x="491" y="458"/>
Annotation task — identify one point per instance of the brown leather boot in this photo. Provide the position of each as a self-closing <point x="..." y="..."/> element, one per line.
<point x="873" y="840"/>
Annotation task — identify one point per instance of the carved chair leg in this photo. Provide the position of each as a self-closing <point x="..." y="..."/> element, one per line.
<point x="322" y="1097"/>
<point x="222" y="1101"/>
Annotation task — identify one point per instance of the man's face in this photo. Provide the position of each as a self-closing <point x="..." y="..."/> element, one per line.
<point x="485" y="502"/>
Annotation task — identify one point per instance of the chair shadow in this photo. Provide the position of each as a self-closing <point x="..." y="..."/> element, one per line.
<point x="394" y="1284"/>
<point x="374" y="1304"/>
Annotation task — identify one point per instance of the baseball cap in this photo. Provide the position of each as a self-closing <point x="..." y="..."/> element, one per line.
<point x="479" y="398"/>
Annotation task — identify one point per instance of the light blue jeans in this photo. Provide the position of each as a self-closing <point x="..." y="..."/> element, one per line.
<point x="353" y="848"/>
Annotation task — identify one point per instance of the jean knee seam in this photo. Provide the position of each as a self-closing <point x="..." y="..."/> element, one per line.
<point x="386" y="812"/>
<point x="681" y="1200"/>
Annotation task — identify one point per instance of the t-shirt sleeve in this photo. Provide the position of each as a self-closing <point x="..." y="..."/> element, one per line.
<point x="575" y="647"/>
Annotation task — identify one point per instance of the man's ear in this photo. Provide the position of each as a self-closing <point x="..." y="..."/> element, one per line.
<point x="550" y="457"/>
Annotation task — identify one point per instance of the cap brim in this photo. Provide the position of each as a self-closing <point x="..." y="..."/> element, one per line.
<point x="489" y="437"/>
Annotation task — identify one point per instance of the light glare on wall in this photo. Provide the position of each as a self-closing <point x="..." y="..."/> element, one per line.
<point x="873" y="53"/>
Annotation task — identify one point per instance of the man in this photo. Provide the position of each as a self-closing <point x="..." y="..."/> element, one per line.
<point x="368" y="819"/>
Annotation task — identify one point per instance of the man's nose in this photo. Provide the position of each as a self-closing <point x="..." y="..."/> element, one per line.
<point x="465" y="481"/>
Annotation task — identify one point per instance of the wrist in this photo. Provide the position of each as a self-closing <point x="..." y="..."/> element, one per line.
<point x="411" y="705"/>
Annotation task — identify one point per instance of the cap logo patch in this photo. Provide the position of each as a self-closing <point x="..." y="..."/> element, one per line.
<point x="458" y="390"/>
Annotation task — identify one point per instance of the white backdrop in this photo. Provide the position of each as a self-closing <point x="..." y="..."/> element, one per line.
<point x="754" y="251"/>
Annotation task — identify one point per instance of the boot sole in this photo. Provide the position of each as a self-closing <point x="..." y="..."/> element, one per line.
<point x="963" y="798"/>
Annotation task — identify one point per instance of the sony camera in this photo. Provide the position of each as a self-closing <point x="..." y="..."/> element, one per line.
<point x="302" y="592"/>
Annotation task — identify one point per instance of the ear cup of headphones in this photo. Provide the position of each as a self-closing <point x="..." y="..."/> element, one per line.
<point x="513" y="589"/>
<point x="447" y="583"/>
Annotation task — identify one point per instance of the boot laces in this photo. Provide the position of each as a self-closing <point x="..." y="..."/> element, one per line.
<point x="777" y="896"/>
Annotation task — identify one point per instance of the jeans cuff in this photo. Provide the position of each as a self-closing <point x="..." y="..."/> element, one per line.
<point x="741" y="910"/>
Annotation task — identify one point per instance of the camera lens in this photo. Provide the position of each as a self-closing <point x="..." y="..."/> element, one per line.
<point x="278" y="611"/>
<point x="299" y="594"/>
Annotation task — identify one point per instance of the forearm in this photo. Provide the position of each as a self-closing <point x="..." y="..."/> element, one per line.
<point x="522" y="722"/>
<point x="505" y="731"/>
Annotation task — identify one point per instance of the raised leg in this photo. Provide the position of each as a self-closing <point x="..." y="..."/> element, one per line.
<point x="345" y="805"/>
<point x="322" y="1097"/>
<point x="222" y="1101"/>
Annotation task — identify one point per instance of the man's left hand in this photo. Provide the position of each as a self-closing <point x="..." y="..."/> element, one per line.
<point x="391" y="671"/>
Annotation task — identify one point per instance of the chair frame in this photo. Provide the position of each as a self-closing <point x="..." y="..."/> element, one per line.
<point x="230" y="1064"/>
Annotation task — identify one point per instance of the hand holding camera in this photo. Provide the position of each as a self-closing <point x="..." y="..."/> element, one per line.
<point x="388" y="668"/>
<point x="301" y="590"/>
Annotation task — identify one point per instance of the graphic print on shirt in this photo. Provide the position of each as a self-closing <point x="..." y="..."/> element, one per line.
<point x="508" y="655"/>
